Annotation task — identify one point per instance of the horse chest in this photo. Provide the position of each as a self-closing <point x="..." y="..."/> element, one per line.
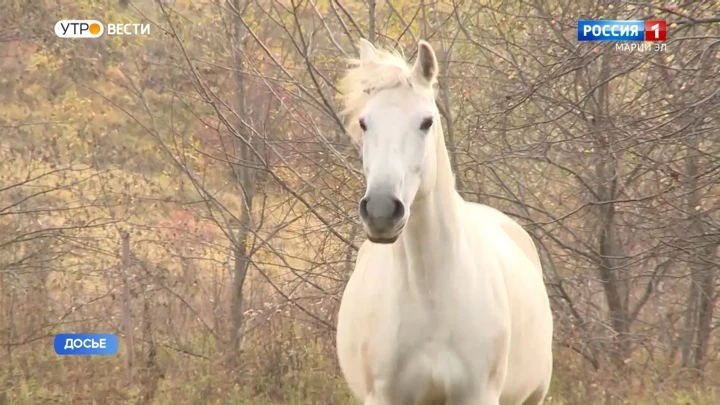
<point x="435" y="347"/>
<point x="425" y="341"/>
<point x="427" y="337"/>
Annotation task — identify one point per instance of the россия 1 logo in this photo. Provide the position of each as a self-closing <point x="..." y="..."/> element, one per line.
<point x="86" y="344"/>
<point x="622" y="30"/>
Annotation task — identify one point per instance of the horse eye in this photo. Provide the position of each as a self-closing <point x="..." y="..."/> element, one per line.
<point x="426" y="124"/>
<point x="362" y="124"/>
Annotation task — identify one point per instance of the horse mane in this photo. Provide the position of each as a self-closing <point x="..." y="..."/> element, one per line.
<point x="364" y="79"/>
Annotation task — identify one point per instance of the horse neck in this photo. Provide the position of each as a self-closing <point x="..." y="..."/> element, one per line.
<point x="429" y="239"/>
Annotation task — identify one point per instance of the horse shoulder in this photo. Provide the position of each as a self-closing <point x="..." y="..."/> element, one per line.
<point x="530" y="357"/>
<point x="511" y="228"/>
<point x="518" y="258"/>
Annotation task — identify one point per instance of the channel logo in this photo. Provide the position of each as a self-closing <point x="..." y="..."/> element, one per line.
<point x="79" y="29"/>
<point x="622" y="30"/>
<point x="95" y="29"/>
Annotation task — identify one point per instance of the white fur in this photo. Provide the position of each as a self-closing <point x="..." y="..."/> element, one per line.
<point x="455" y="311"/>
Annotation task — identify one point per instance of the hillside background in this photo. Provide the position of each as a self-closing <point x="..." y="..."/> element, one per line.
<point x="194" y="192"/>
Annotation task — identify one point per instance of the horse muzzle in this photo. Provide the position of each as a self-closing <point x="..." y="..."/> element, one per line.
<point x="383" y="217"/>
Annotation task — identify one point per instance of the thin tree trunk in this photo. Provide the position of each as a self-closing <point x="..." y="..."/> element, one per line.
<point x="706" y="306"/>
<point x="609" y="252"/>
<point x="371" y="20"/>
<point x="688" y="333"/>
<point x="245" y="176"/>
<point x="127" y="310"/>
<point x="698" y="321"/>
<point x="7" y="303"/>
<point x="152" y="371"/>
<point x="694" y="292"/>
<point x="610" y="248"/>
<point x="708" y="272"/>
<point x="350" y="251"/>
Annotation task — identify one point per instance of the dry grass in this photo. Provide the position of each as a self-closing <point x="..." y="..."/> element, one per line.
<point x="279" y="367"/>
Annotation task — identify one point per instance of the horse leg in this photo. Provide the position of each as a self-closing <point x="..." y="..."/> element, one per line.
<point x="537" y="397"/>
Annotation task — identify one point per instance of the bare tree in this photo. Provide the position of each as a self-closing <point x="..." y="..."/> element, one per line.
<point x="216" y="145"/>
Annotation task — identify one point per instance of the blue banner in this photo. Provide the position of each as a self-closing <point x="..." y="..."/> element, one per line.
<point x="86" y="344"/>
<point x="611" y="30"/>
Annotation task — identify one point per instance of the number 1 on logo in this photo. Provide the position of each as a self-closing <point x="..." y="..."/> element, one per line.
<point x="656" y="30"/>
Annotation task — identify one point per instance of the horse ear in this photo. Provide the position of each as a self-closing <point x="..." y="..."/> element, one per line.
<point x="367" y="50"/>
<point x="426" y="65"/>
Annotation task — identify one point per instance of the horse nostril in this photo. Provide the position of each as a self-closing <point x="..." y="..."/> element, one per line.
<point x="399" y="212"/>
<point x="363" y="208"/>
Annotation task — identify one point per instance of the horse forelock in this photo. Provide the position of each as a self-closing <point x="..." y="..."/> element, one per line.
<point x="364" y="79"/>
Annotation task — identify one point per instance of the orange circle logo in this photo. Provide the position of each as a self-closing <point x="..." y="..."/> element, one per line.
<point x="94" y="28"/>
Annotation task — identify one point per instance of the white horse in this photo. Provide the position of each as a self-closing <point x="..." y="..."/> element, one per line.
<point x="447" y="304"/>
